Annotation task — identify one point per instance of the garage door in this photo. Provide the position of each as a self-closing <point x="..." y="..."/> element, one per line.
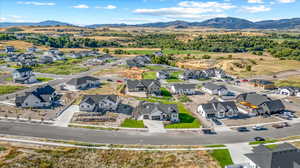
<point x="155" y="117"/>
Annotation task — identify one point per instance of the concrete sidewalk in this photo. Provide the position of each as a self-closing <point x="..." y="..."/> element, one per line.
<point x="238" y="151"/>
<point x="155" y="126"/>
<point x="64" y="119"/>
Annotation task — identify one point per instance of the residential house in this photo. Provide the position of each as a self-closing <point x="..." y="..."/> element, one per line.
<point x="82" y="83"/>
<point x="10" y="49"/>
<point x="32" y="49"/>
<point x="218" y="109"/>
<point x="163" y="74"/>
<point x="42" y="97"/>
<point x="23" y="76"/>
<point x="289" y="91"/>
<point x="99" y="103"/>
<point x="214" y="72"/>
<point x="147" y="86"/>
<point x="158" y="54"/>
<point x="260" y="104"/>
<point x="46" y="59"/>
<point x="282" y="156"/>
<point x="156" y="111"/>
<point x="139" y="61"/>
<point x="192" y="74"/>
<point x="264" y="84"/>
<point x="183" y="89"/>
<point x="214" y="89"/>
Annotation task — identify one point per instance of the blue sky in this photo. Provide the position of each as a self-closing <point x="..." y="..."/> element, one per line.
<point x="83" y="12"/>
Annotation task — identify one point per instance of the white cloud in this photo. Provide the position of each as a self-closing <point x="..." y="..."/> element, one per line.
<point x="36" y="3"/>
<point x="286" y="1"/>
<point x="3" y="19"/>
<point x="106" y="7"/>
<point x="188" y="10"/>
<point x="255" y="1"/>
<point x="81" y="6"/>
<point x="256" y="9"/>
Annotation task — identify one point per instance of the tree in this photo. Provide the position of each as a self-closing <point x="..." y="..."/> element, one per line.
<point x="248" y="68"/>
<point x="106" y="50"/>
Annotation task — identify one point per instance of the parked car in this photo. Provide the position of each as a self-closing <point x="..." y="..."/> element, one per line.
<point x="259" y="139"/>
<point x="109" y="80"/>
<point x="244" y="80"/>
<point x="208" y="131"/>
<point x="242" y="129"/>
<point x="277" y="126"/>
<point x="119" y="81"/>
<point x="259" y="128"/>
<point x="216" y="121"/>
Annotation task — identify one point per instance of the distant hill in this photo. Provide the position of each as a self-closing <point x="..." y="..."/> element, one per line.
<point x="44" y="23"/>
<point x="224" y="23"/>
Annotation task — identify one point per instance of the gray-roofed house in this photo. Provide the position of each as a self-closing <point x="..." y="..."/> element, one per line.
<point x="156" y="111"/>
<point x="192" y="74"/>
<point x="260" y="104"/>
<point x="10" y="49"/>
<point x="214" y="72"/>
<point x="139" y="61"/>
<point x="215" y="89"/>
<point x="163" y="74"/>
<point x="218" y="109"/>
<point x="45" y="59"/>
<point x="147" y="86"/>
<point x="42" y="97"/>
<point x="82" y="83"/>
<point x="31" y="49"/>
<point x="289" y="91"/>
<point x="282" y="156"/>
<point x="23" y="76"/>
<point x="183" y="89"/>
<point x="99" y="103"/>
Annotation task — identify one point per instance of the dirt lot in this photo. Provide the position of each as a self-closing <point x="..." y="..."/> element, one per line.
<point x="20" y="45"/>
<point x="29" y="156"/>
<point x="248" y="121"/>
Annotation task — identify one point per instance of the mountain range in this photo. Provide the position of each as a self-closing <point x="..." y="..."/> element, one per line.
<point x="224" y="23"/>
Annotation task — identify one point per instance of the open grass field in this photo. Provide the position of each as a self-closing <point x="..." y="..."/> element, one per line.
<point x="19" y="44"/>
<point x="289" y="81"/>
<point x="68" y="67"/>
<point x="29" y="156"/>
<point x="6" y="89"/>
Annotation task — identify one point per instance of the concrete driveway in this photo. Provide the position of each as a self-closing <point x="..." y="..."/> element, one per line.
<point x="64" y="119"/>
<point x="155" y="126"/>
<point x="238" y="151"/>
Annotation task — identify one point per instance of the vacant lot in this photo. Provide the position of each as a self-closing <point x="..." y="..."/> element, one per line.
<point x="289" y="81"/>
<point x="6" y="89"/>
<point x="247" y="121"/>
<point x="71" y="66"/>
<point x="18" y="44"/>
<point x="29" y="156"/>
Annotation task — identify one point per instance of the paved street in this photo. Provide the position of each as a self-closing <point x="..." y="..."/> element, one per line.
<point x="133" y="137"/>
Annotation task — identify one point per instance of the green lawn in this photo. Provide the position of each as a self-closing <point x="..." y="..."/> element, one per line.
<point x="185" y="116"/>
<point x="222" y="156"/>
<point x="130" y="123"/>
<point x="43" y="79"/>
<point x="174" y="80"/>
<point x="262" y="142"/>
<point x="62" y="67"/>
<point x="214" y="146"/>
<point x="184" y="99"/>
<point x="174" y="77"/>
<point x="2" y="148"/>
<point x="149" y="75"/>
<point x="9" y="78"/>
<point x="6" y="89"/>
<point x="140" y="52"/>
<point x="154" y="67"/>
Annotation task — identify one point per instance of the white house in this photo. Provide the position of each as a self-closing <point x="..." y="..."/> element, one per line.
<point x="81" y="83"/>
<point x="218" y="109"/>
<point x="214" y="89"/>
<point x="24" y="76"/>
<point x="183" y="89"/>
<point x="289" y="91"/>
<point x="99" y="103"/>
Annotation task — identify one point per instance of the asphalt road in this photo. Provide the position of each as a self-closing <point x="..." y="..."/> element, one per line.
<point x="133" y="137"/>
